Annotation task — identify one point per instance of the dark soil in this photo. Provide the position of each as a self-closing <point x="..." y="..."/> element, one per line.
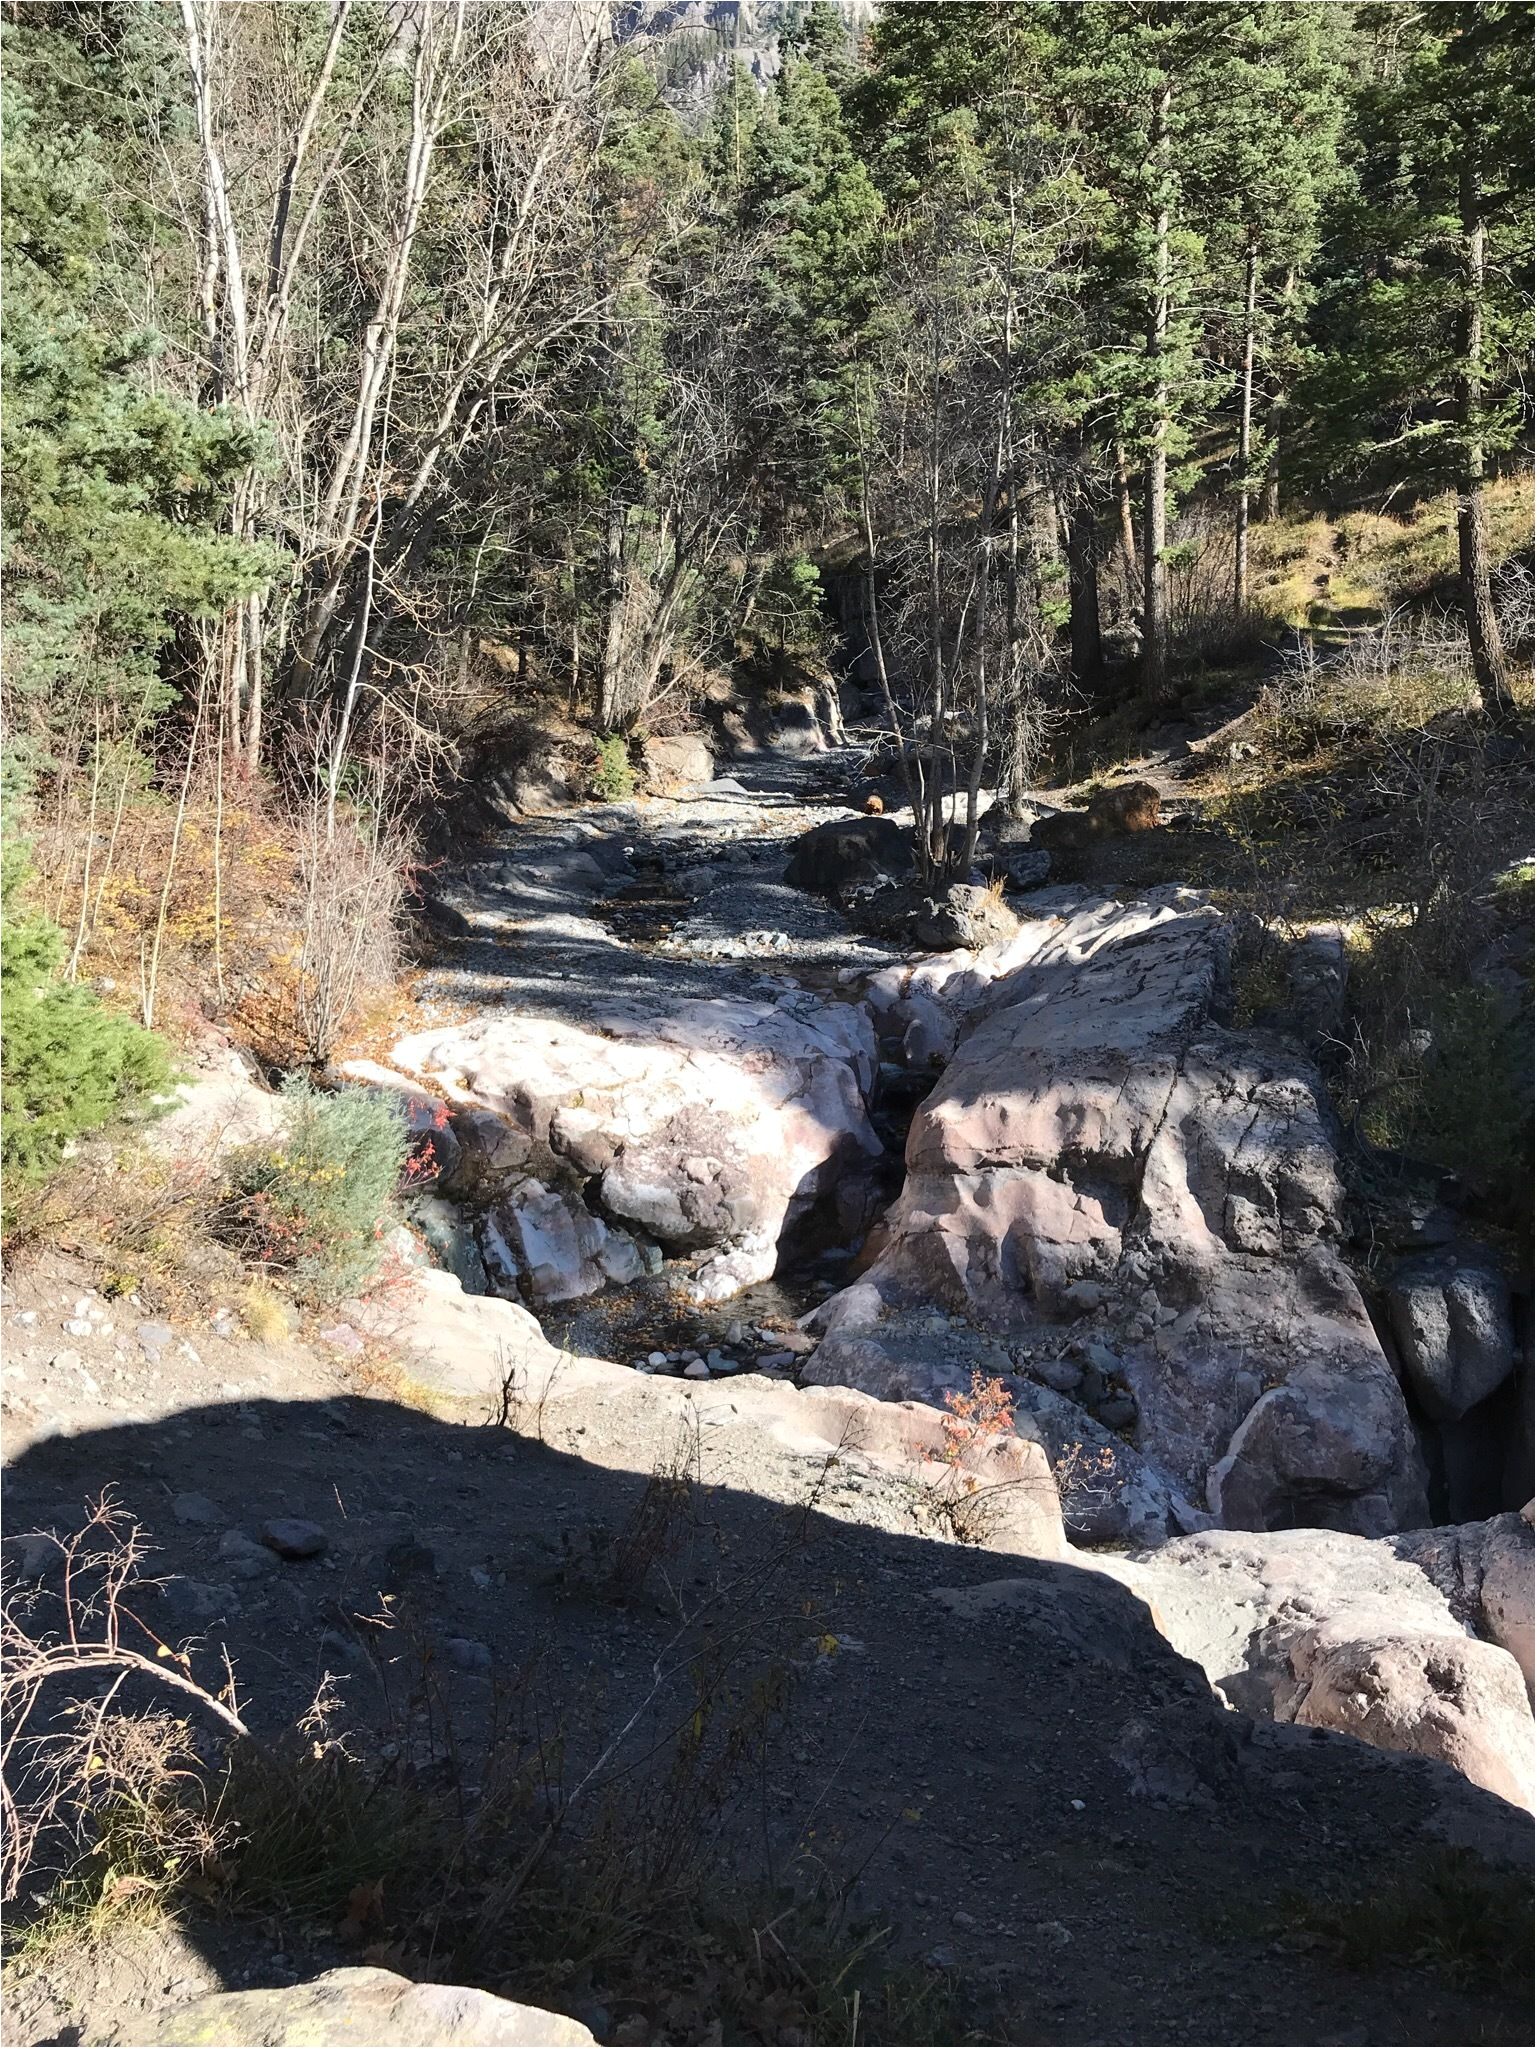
<point x="1043" y="1800"/>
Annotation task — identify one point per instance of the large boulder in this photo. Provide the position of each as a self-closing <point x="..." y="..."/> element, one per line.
<point x="1100" y="1159"/>
<point x="348" y="2008"/>
<point x="1450" y="1318"/>
<point x="1322" y="1439"/>
<point x="684" y="761"/>
<point x="848" y="853"/>
<point x="715" y="1127"/>
<point x="548" y="1240"/>
<point x="1126" y="807"/>
<point x="1393" y="1641"/>
<point x="1442" y="1696"/>
<point x="492" y="1151"/>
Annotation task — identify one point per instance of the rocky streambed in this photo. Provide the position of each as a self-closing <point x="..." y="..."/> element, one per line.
<point x="693" y="1121"/>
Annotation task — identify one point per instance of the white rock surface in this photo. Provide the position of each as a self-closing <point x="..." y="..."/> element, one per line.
<point x="364" y="2006"/>
<point x="216" y="1111"/>
<point x="680" y="762"/>
<point x="714" y="1124"/>
<point x="465" y="1345"/>
<point x="999" y="1486"/>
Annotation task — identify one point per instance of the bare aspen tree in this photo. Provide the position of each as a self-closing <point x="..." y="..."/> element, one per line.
<point x="954" y="603"/>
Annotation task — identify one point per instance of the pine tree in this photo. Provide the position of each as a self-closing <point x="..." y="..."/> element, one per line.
<point x="112" y="488"/>
<point x="811" y="201"/>
<point x="67" y="1062"/>
<point x="1422" y="326"/>
<point x="1277" y="162"/>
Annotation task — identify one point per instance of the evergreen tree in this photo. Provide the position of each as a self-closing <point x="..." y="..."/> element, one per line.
<point x="112" y="487"/>
<point x="811" y="204"/>
<point x="1423" y="325"/>
<point x="67" y="1063"/>
<point x="1276" y="165"/>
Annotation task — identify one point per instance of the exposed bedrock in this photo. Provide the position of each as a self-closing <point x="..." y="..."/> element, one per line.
<point x="716" y="1127"/>
<point x="1103" y="1171"/>
<point x="1419" y="1642"/>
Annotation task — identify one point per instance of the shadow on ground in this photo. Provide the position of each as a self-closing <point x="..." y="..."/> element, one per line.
<point x="1038" y="1792"/>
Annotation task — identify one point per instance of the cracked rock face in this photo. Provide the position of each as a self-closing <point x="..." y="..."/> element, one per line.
<point x="715" y="1126"/>
<point x="1096" y="1136"/>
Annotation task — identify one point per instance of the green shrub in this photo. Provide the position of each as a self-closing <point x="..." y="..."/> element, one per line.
<point x="316" y="1202"/>
<point x="68" y="1064"/>
<point x="613" y="777"/>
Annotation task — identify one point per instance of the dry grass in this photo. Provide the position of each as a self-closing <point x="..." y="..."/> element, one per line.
<point x="229" y="895"/>
<point x="106" y="1800"/>
<point x="1398" y="558"/>
<point x="246" y="909"/>
<point x="265" y="1314"/>
<point x="1311" y="570"/>
<point x="140" y="1220"/>
<point x="1450" y="1913"/>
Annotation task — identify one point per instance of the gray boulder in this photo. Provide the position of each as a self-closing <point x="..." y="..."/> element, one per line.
<point x="549" y="1238"/>
<point x="1450" y="1316"/>
<point x="491" y="1151"/>
<point x="1324" y="1449"/>
<point x="1025" y="867"/>
<point x="450" y="1238"/>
